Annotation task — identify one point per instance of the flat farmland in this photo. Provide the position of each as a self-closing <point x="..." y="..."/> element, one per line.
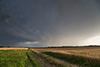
<point x="93" y="52"/>
<point x="17" y="57"/>
<point x="82" y="56"/>
<point x="50" y="57"/>
<point x="22" y="57"/>
<point x="14" y="59"/>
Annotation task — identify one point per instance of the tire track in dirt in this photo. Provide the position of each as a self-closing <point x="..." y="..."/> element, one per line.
<point x="43" y="62"/>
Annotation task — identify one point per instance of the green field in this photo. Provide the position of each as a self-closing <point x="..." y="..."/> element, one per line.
<point x="16" y="58"/>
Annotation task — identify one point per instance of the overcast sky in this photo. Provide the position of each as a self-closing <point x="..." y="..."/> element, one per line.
<point x="49" y="22"/>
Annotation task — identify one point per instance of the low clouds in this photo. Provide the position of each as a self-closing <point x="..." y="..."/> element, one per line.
<point x="29" y="44"/>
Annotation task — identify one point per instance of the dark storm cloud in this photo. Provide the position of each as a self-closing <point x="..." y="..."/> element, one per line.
<point x="22" y="20"/>
<point x="48" y="22"/>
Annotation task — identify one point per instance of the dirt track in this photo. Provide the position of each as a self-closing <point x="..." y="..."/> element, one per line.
<point x="45" y="62"/>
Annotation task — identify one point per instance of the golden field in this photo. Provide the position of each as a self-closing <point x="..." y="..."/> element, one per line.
<point x="91" y="52"/>
<point x="13" y="48"/>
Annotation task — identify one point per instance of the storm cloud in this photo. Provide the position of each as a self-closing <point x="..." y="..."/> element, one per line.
<point x="48" y="22"/>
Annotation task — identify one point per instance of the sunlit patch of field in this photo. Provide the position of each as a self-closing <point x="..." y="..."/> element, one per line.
<point x="13" y="48"/>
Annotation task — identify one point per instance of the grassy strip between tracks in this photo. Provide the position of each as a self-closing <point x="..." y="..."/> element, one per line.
<point x="33" y="61"/>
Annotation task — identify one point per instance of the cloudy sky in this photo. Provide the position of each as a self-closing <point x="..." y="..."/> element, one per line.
<point x="39" y="23"/>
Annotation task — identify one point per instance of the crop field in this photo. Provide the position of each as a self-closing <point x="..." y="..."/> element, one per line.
<point x="50" y="57"/>
<point x="83" y="56"/>
<point x="93" y="52"/>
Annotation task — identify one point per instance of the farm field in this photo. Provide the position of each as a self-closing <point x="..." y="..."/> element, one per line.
<point x="50" y="57"/>
<point x="15" y="58"/>
<point x="28" y="58"/>
<point x="93" y="52"/>
<point x="83" y="56"/>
